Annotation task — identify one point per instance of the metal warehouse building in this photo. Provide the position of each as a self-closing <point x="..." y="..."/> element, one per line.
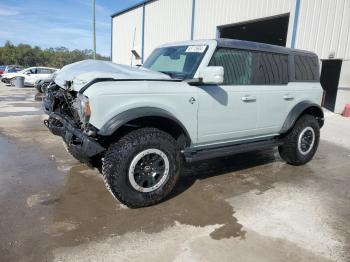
<point x="321" y="26"/>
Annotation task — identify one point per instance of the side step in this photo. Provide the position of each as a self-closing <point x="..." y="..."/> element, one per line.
<point x="193" y="155"/>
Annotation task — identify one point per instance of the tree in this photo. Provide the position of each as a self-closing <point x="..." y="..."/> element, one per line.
<point x="27" y="56"/>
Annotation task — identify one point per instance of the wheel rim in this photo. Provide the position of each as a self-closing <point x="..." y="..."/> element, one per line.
<point x="306" y="140"/>
<point x="149" y="170"/>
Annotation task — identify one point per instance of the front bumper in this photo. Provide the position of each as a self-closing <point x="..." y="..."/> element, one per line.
<point x="80" y="145"/>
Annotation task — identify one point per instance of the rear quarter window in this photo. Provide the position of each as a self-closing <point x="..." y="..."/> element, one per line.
<point x="272" y="69"/>
<point x="306" y="68"/>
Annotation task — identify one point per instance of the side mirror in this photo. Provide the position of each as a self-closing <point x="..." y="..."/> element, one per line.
<point x="212" y="75"/>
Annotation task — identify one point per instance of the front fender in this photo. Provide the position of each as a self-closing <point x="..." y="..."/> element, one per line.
<point x="122" y="118"/>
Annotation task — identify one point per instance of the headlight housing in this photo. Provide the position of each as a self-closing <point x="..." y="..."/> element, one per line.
<point x="83" y="107"/>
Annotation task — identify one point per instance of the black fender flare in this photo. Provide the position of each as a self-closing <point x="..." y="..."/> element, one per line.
<point x="122" y="118"/>
<point x="298" y="110"/>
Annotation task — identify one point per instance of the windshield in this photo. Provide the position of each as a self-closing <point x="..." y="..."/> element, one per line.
<point x="179" y="62"/>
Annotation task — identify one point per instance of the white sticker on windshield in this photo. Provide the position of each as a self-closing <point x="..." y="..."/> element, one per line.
<point x="196" y="49"/>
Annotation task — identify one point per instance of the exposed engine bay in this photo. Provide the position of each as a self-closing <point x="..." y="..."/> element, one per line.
<point x="63" y="102"/>
<point x="69" y="113"/>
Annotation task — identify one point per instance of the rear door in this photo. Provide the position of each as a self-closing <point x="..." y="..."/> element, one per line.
<point x="229" y="112"/>
<point x="277" y="96"/>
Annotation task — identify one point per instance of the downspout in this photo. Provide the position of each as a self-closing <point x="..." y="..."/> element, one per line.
<point x="193" y="17"/>
<point x="143" y="33"/>
<point x="295" y="24"/>
<point x="111" y="38"/>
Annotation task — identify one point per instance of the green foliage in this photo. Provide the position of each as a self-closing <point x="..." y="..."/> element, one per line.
<point x="27" y="56"/>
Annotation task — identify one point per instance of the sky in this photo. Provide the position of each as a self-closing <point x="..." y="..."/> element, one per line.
<point x="55" y="23"/>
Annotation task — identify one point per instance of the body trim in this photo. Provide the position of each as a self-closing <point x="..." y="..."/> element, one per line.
<point x="119" y="120"/>
<point x="209" y="153"/>
<point x="297" y="111"/>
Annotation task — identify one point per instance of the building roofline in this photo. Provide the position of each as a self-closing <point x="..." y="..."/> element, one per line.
<point x="125" y="10"/>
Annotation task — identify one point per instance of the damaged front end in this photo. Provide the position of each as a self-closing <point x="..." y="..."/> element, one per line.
<point x="69" y="113"/>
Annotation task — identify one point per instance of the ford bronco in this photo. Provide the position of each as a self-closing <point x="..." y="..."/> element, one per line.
<point x="190" y="101"/>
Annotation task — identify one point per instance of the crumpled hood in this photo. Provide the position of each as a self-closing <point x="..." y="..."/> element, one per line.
<point x="83" y="72"/>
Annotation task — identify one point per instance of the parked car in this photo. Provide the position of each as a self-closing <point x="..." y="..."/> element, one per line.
<point x="30" y="75"/>
<point x="190" y="101"/>
<point x="2" y="69"/>
<point x="12" y="69"/>
<point x="42" y="84"/>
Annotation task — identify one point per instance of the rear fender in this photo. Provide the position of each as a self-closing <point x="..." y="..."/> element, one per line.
<point x="304" y="107"/>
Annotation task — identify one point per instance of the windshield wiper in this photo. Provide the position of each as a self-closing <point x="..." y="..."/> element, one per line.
<point x="174" y="75"/>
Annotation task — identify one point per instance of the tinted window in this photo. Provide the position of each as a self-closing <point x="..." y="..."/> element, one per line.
<point x="306" y="68"/>
<point x="250" y="67"/>
<point x="272" y="69"/>
<point x="237" y="65"/>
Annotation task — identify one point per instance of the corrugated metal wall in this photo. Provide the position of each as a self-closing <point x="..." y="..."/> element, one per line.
<point x="167" y="21"/>
<point x="124" y="28"/>
<point x="324" y="27"/>
<point x="210" y="14"/>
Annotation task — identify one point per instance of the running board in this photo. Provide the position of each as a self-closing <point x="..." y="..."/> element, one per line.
<point x="193" y="155"/>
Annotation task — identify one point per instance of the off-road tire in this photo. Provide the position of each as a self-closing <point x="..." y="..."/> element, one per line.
<point x="289" y="151"/>
<point x="118" y="158"/>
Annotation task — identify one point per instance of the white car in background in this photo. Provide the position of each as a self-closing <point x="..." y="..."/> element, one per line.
<point x="31" y="75"/>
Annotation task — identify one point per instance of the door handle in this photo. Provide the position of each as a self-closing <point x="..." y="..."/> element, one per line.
<point x="288" y="97"/>
<point x="248" y="99"/>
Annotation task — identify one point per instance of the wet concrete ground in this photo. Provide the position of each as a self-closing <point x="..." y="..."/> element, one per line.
<point x="250" y="207"/>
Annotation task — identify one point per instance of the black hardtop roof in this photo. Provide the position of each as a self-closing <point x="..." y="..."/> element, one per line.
<point x="248" y="45"/>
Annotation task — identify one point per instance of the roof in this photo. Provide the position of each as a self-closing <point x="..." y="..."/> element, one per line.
<point x="233" y="43"/>
<point x="241" y="44"/>
<point x="131" y="8"/>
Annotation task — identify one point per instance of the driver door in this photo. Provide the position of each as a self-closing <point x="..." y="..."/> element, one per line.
<point x="229" y="112"/>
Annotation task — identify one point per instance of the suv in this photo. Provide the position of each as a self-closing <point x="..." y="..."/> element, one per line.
<point x="190" y="101"/>
<point x="31" y="75"/>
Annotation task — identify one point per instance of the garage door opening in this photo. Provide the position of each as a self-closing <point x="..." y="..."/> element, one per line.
<point x="330" y="75"/>
<point x="270" y="30"/>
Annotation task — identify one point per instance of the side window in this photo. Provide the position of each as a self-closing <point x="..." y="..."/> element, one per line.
<point x="237" y="65"/>
<point x="44" y="71"/>
<point x="272" y="69"/>
<point x="306" y="68"/>
<point x="33" y="71"/>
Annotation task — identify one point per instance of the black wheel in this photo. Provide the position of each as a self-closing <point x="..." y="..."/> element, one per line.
<point x="142" y="168"/>
<point x="301" y="143"/>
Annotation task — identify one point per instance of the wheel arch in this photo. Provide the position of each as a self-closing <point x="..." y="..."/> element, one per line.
<point x="146" y="117"/>
<point x="302" y="108"/>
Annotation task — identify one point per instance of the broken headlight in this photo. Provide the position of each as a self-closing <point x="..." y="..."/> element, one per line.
<point x="82" y="105"/>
